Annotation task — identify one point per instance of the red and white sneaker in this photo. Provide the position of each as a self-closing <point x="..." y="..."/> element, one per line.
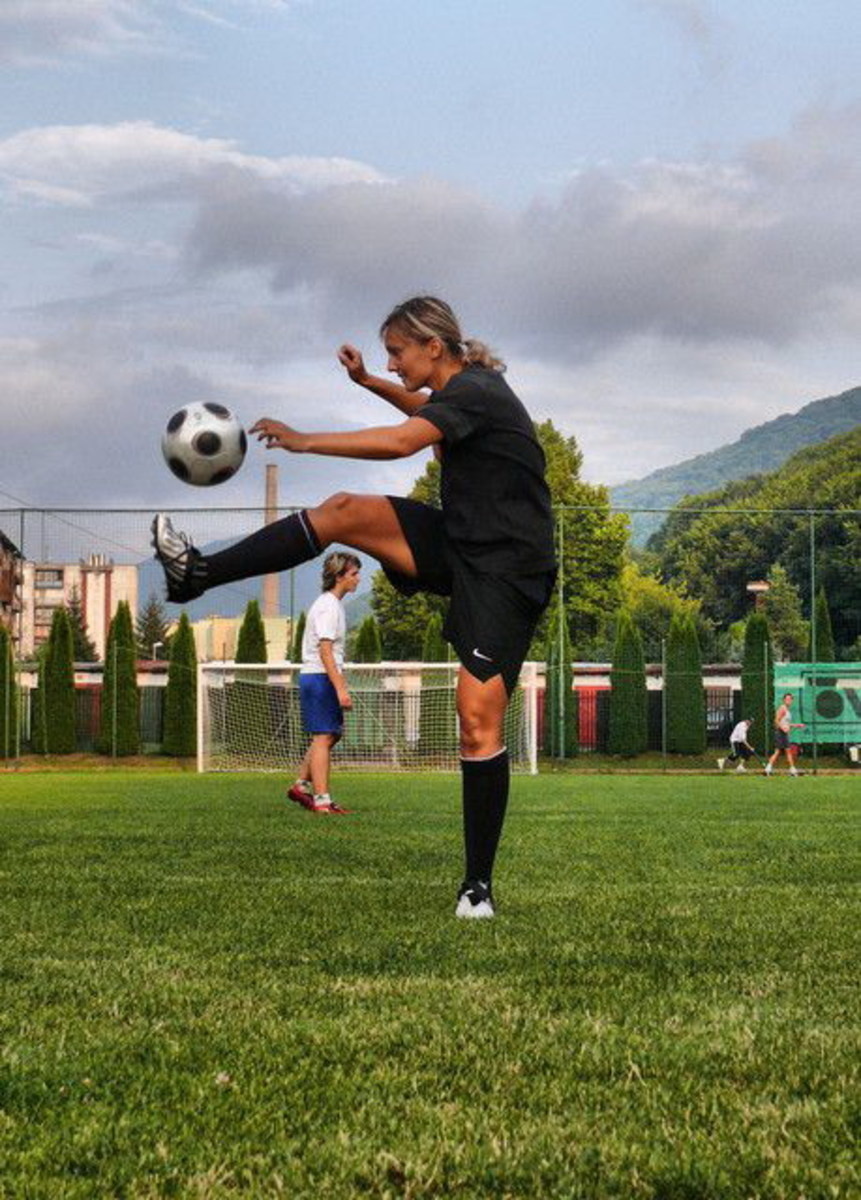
<point x="323" y="805"/>
<point x="337" y="811"/>
<point x="300" y="792"/>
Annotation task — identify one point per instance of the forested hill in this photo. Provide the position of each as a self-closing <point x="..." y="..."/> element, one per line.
<point x="759" y="450"/>
<point x="713" y="554"/>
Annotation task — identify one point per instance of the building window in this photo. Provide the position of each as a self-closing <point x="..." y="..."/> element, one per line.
<point x="49" y="577"/>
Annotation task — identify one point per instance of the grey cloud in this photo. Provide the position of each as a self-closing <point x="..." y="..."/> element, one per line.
<point x="753" y="250"/>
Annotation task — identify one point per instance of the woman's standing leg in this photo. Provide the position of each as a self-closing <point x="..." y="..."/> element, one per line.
<point x="485" y="773"/>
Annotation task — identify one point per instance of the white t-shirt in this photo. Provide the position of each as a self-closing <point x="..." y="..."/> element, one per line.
<point x="325" y="620"/>
<point x="739" y="734"/>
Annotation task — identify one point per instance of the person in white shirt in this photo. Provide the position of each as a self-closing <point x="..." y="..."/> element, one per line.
<point x="740" y="747"/>
<point x="323" y="692"/>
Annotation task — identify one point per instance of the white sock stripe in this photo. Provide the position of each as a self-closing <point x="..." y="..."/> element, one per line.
<point x="485" y="757"/>
<point x="308" y="531"/>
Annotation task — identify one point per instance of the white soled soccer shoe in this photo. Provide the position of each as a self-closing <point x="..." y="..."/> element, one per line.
<point x="184" y="572"/>
<point x="475" y="901"/>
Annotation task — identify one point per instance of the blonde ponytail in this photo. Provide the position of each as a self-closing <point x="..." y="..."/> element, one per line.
<point x="477" y="354"/>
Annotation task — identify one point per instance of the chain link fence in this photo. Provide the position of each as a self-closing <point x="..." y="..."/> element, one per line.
<point x="800" y="568"/>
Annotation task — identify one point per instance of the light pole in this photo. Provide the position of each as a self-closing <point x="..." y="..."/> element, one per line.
<point x="156" y="646"/>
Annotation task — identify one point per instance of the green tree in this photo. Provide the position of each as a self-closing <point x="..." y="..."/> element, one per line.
<point x="438" y="716"/>
<point x="120" y="717"/>
<point x="714" y="554"/>
<point x="251" y="643"/>
<point x="296" y="639"/>
<point x="590" y="539"/>
<point x="685" y="695"/>
<point x="180" y="698"/>
<point x="367" y="647"/>
<point x="38" y="719"/>
<point x="59" y="687"/>
<point x="83" y="649"/>
<point x="757" y="678"/>
<point x="152" y="629"/>
<point x="402" y="620"/>
<point x="434" y="647"/>
<point x="8" y="698"/>
<point x="247" y="715"/>
<point x="782" y="607"/>
<point x="825" y="651"/>
<point x="628" y="732"/>
<point x="560" y="699"/>
<point x="365" y="724"/>
<point x="652" y="606"/>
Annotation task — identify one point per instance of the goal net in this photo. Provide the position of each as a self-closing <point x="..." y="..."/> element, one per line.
<point x="403" y="718"/>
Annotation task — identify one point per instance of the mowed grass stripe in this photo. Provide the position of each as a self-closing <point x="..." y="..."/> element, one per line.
<point x="207" y="992"/>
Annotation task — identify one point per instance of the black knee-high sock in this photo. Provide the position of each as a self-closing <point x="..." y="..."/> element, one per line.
<point x="276" y="547"/>
<point x="485" y="799"/>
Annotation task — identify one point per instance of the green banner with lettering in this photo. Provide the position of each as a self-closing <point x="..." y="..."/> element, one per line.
<point x="827" y="700"/>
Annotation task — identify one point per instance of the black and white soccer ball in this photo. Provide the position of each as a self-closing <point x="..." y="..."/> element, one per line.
<point x="204" y="443"/>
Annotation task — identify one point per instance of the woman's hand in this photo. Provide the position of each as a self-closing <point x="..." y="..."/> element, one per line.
<point x="351" y="360"/>
<point x="277" y="435"/>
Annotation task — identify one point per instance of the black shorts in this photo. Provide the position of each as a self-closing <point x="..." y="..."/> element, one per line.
<point x="492" y="618"/>
<point x="739" y="750"/>
<point x="781" y="739"/>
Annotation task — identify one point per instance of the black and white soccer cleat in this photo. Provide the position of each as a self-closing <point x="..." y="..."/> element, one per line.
<point x="474" y="900"/>
<point x="183" y="566"/>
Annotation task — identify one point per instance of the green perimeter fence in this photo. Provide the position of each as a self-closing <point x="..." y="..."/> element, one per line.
<point x="797" y="568"/>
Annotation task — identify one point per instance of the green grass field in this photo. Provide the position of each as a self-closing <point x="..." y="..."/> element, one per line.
<point x="206" y="992"/>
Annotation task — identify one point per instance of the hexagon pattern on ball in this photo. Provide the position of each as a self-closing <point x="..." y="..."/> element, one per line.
<point x="204" y="443"/>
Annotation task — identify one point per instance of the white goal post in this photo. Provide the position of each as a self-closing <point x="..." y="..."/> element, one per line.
<point x="403" y="718"/>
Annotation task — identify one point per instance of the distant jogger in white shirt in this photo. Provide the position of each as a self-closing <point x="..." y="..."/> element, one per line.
<point x="323" y="692"/>
<point x="740" y="747"/>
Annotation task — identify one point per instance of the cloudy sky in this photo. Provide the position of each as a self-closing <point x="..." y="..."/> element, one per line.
<point x="649" y="207"/>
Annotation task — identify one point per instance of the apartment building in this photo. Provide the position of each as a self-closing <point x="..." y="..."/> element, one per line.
<point x="99" y="585"/>
<point x="11" y="576"/>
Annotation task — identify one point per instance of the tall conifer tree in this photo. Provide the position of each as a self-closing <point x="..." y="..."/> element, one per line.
<point x="685" y="698"/>
<point x="8" y="698"/>
<point x="180" y="701"/>
<point x="120" y="724"/>
<point x="628" y="701"/>
<point x="83" y="648"/>
<point x="757" y="678"/>
<point x="59" y="684"/>
<point x="824" y="634"/>
<point x="560" y="700"/>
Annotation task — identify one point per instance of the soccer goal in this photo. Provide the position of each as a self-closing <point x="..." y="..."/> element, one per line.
<point x="403" y="718"/>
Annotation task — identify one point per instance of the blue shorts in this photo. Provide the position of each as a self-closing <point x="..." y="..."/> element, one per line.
<point x="321" y="712"/>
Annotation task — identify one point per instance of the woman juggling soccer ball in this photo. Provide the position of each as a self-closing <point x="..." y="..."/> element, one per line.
<point x="489" y="548"/>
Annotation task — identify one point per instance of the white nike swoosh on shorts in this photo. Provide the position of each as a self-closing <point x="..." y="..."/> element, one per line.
<point x="478" y="654"/>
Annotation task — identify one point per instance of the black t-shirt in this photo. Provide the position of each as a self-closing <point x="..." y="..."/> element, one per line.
<point x="495" y="499"/>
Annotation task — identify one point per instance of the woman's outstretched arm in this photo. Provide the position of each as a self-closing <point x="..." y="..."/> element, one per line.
<point x="381" y="442"/>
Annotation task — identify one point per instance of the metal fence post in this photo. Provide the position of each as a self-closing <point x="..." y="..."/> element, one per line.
<point x="814" y="648"/>
<point x="663" y="701"/>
